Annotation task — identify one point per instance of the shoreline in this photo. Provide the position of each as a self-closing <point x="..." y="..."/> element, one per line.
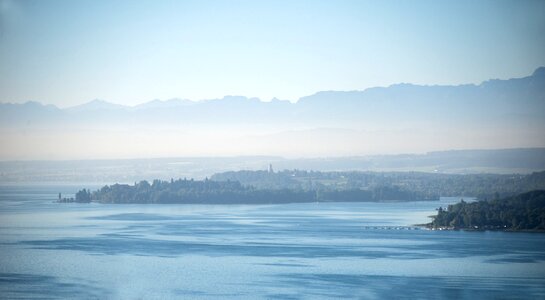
<point x="468" y="229"/>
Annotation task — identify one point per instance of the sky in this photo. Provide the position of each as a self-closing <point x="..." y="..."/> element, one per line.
<point x="129" y="52"/>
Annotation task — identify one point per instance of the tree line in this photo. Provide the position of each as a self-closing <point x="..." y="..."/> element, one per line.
<point x="262" y="187"/>
<point x="231" y="192"/>
<point x="521" y="212"/>
<point x="426" y="185"/>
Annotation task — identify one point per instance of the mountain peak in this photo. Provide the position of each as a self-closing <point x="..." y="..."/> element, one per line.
<point x="276" y="100"/>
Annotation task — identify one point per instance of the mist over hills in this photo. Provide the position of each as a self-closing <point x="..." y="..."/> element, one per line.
<point x="401" y="118"/>
<point x="502" y="161"/>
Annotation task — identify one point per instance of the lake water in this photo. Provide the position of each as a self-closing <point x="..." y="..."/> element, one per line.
<point x="296" y="251"/>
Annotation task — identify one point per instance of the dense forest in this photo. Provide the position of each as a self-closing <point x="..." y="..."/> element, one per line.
<point x="522" y="212"/>
<point x="232" y="192"/>
<point x="265" y="187"/>
<point x="196" y="192"/>
<point x="427" y="185"/>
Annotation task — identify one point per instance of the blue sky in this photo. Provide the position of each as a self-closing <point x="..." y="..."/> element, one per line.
<point x="128" y="52"/>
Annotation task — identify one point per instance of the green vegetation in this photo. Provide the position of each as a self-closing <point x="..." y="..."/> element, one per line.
<point x="185" y="191"/>
<point x="263" y="187"/>
<point x="522" y="212"/>
<point x="422" y="185"/>
<point x="82" y="196"/>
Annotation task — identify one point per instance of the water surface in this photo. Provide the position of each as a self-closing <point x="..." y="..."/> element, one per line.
<point x="293" y="251"/>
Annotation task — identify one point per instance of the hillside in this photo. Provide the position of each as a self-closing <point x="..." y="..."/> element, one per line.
<point x="516" y="213"/>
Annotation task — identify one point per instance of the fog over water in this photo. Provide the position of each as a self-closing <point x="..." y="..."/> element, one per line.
<point x="360" y="109"/>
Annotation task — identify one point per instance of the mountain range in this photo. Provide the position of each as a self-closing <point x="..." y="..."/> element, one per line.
<point x="401" y="118"/>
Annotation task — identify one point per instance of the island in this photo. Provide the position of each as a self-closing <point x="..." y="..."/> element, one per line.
<point x="523" y="212"/>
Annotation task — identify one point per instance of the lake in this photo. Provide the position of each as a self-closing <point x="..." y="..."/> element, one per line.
<point x="294" y="251"/>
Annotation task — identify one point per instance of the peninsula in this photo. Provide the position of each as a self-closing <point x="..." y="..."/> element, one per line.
<point x="292" y="186"/>
<point x="523" y="212"/>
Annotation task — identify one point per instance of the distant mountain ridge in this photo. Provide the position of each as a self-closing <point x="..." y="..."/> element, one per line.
<point x="401" y="118"/>
<point x="95" y="105"/>
<point x="533" y="85"/>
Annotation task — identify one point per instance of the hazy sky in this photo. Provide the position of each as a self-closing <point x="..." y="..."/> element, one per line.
<point x="69" y="52"/>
